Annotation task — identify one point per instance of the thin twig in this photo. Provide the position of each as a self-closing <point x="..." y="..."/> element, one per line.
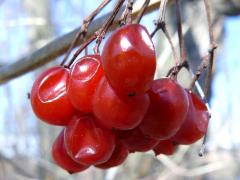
<point x="210" y="67"/>
<point x="162" y="8"/>
<point x="86" y="49"/>
<point x="212" y="48"/>
<point x="167" y="51"/>
<point x="180" y="33"/>
<point x="126" y="17"/>
<point x="99" y="35"/>
<point x="200" y="69"/>
<point x="194" y="83"/>
<point x="83" y="30"/>
<point x="161" y="20"/>
<point x="106" y="26"/>
<point x="174" y="70"/>
<point x="202" y="95"/>
<point x="57" y="47"/>
<point x="80" y="49"/>
<point x="167" y="34"/>
<point x="142" y="11"/>
<point x="160" y="24"/>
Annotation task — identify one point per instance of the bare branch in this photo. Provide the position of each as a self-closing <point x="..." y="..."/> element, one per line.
<point x="212" y="48"/>
<point x="210" y="67"/>
<point x="180" y="34"/>
<point x="142" y="11"/>
<point x="126" y="17"/>
<point x="204" y="64"/>
<point x="80" y="49"/>
<point x="83" y="30"/>
<point x="227" y="7"/>
<point x="56" y="48"/>
<point x="160" y="24"/>
<point x="107" y="25"/>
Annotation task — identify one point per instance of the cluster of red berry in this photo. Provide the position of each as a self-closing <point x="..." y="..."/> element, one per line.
<point x="111" y="105"/>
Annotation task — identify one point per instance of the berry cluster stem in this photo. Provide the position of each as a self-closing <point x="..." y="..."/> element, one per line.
<point x="80" y="49"/>
<point x="212" y="48"/>
<point x="180" y="33"/>
<point x="200" y="69"/>
<point x="183" y="54"/>
<point x="142" y="11"/>
<point x="107" y="25"/>
<point x="174" y="70"/>
<point x="211" y="53"/>
<point x="160" y="24"/>
<point x="81" y="35"/>
<point x="126" y="17"/>
<point x="99" y="35"/>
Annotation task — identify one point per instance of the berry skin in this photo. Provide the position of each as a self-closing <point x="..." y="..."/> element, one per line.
<point x="60" y="156"/>
<point x="196" y="122"/>
<point x="114" y="112"/>
<point x="129" y="60"/>
<point x="136" y="141"/>
<point x="166" y="147"/>
<point x="87" y="142"/>
<point x="167" y="111"/>
<point x="49" y="97"/>
<point x="119" y="155"/>
<point x="84" y="78"/>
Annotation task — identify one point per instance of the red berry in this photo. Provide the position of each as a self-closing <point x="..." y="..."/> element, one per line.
<point x="129" y="60"/>
<point x="84" y="78"/>
<point x="196" y="122"/>
<point x="114" y="112"/>
<point x="119" y="155"/>
<point x="166" y="147"/>
<point x="167" y="111"/>
<point x="60" y="156"/>
<point x="49" y="98"/>
<point x="87" y="142"/>
<point x="136" y="141"/>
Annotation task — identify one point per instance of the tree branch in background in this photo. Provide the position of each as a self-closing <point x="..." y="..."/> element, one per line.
<point x="56" y="48"/>
<point x="227" y="7"/>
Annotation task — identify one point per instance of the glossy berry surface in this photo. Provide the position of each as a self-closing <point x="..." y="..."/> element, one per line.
<point x="84" y="78"/>
<point x="49" y="97"/>
<point x="129" y="60"/>
<point x="119" y="155"/>
<point x="61" y="158"/>
<point x="114" y="112"/>
<point x="87" y="142"/>
<point x="166" y="147"/>
<point x="136" y="141"/>
<point x="196" y="122"/>
<point x="167" y="111"/>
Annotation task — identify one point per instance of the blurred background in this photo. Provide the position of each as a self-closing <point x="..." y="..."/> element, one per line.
<point x="25" y="142"/>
